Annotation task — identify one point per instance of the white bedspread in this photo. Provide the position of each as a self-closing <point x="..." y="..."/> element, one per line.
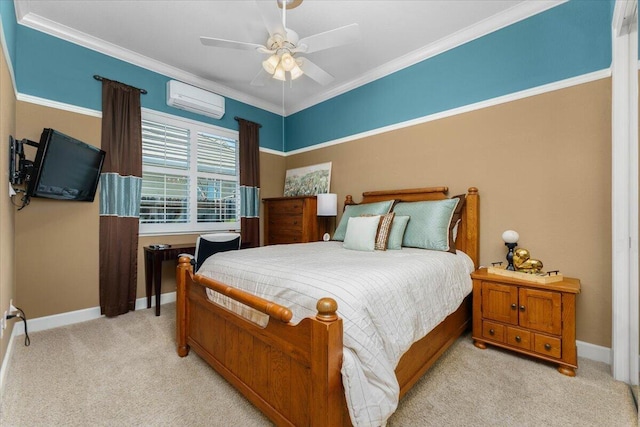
<point x="387" y="300"/>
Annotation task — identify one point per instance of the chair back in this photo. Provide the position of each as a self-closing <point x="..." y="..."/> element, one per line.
<point x="209" y="244"/>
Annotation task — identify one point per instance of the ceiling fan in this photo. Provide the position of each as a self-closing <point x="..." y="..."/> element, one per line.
<point x="284" y="46"/>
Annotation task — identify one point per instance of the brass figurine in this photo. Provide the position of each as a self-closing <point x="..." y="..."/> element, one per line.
<point x="523" y="262"/>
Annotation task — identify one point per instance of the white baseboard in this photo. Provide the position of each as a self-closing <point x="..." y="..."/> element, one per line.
<point x="63" y="319"/>
<point x="585" y="349"/>
<point x="594" y="352"/>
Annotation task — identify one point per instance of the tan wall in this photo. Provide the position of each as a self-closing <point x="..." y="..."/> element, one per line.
<point x="57" y="270"/>
<point x="542" y="166"/>
<point x="56" y="241"/>
<point x="7" y="211"/>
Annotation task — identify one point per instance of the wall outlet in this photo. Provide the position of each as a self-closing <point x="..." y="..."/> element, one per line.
<point x="12" y="308"/>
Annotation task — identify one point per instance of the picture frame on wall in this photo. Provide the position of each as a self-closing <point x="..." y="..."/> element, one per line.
<point x="308" y="180"/>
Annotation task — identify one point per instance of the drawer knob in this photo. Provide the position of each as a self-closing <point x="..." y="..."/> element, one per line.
<point x="513" y="306"/>
<point x="518" y="339"/>
<point x="522" y="308"/>
<point x="547" y="346"/>
<point x="492" y="332"/>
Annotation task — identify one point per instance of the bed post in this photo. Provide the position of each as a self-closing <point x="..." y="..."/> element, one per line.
<point x="182" y="275"/>
<point x="472" y="230"/>
<point x="327" y="404"/>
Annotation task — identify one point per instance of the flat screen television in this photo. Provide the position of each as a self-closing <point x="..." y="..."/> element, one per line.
<point x="65" y="168"/>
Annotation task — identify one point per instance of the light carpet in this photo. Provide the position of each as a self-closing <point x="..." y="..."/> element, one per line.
<point x="126" y="372"/>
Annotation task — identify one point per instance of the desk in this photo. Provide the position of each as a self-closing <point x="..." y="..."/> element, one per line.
<point x="153" y="267"/>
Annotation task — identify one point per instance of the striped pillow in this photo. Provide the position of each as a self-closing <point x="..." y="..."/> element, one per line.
<point x="383" y="231"/>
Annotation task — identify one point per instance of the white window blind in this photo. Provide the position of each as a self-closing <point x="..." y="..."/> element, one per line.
<point x="190" y="178"/>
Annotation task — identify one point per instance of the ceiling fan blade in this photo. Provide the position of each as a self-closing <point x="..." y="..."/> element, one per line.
<point x="229" y="44"/>
<point x="271" y="17"/>
<point x="261" y="78"/>
<point x="332" y="38"/>
<point x="315" y="72"/>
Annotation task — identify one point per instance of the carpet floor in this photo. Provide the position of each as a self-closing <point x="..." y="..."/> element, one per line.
<point x="126" y="372"/>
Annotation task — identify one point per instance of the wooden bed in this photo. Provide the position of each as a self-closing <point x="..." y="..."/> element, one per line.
<point x="292" y="373"/>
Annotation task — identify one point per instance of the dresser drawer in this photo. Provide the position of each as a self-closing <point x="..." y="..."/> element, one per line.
<point x="549" y="346"/>
<point x="493" y="331"/>
<point x="286" y="207"/>
<point x="519" y="338"/>
<point x="280" y="236"/>
<point x="286" y="222"/>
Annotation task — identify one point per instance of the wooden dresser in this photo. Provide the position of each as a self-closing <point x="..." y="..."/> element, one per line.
<point x="292" y="220"/>
<point x="531" y="318"/>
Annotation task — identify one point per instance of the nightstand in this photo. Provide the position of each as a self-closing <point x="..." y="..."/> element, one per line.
<point x="535" y="319"/>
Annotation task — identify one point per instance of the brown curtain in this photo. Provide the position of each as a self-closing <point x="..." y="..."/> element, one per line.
<point x="120" y="186"/>
<point x="249" y="182"/>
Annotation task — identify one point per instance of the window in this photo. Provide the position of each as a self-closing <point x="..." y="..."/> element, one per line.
<point x="190" y="176"/>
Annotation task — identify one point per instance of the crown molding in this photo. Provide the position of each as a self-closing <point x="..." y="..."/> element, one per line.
<point x="510" y="16"/>
<point x="71" y="35"/>
<point x="515" y="14"/>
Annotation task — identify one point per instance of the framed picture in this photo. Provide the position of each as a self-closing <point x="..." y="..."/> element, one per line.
<point x="308" y="181"/>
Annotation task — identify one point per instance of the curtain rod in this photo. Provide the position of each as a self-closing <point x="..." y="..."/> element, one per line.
<point x="99" y="78"/>
<point x="236" y="118"/>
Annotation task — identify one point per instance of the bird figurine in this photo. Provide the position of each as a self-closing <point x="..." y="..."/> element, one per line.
<point x="524" y="263"/>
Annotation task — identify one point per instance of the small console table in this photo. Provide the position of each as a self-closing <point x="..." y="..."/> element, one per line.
<point x="153" y="267"/>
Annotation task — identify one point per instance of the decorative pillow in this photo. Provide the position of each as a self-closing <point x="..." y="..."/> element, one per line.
<point x="430" y="225"/>
<point x="361" y="233"/>
<point x="396" y="233"/>
<point x="378" y="208"/>
<point x="455" y="222"/>
<point x="383" y="231"/>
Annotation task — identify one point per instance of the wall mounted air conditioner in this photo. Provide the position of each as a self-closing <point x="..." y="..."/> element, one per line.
<point x="190" y="98"/>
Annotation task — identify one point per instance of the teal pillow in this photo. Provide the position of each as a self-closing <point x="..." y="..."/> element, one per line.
<point x="378" y="208"/>
<point x="396" y="234"/>
<point x="429" y="225"/>
<point x="361" y="233"/>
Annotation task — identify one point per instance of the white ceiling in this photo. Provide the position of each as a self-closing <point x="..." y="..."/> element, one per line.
<point x="164" y="36"/>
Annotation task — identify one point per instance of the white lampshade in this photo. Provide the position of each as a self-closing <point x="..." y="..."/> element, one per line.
<point x="296" y="72"/>
<point x="327" y="204"/>
<point x="271" y="63"/>
<point x="510" y="236"/>
<point x="279" y="73"/>
<point x="287" y="61"/>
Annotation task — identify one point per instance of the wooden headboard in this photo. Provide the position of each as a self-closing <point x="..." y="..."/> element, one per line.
<point x="468" y="230"/>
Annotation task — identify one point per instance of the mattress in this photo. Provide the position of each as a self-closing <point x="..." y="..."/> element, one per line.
<point x="387" y="300"/>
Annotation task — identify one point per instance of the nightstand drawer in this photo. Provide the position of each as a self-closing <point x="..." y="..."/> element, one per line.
<point x="519" y="338"/>
<point x="493" y="331"/>
<point x="549" y="346"/>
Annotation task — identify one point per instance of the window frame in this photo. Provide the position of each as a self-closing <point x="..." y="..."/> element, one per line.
<point x="195" y="127"/>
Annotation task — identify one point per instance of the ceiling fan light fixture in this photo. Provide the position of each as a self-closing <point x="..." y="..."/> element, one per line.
<point x="287" y="61"/>
<point x="271" y="63"/>
<point x="279" y="73"/>
<point x="296" y="72"/>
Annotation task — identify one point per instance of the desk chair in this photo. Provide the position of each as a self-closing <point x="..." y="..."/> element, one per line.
<point x="209" y="244"/>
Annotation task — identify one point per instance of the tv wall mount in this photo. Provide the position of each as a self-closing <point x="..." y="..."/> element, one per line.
<point x="20" y="168"/>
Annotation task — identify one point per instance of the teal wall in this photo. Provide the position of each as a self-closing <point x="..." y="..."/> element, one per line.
<point x="567" y="41"/>
<point x="8" y="18"/>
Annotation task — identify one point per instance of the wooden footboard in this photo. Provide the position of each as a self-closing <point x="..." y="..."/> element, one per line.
<point x="291" y="373"/>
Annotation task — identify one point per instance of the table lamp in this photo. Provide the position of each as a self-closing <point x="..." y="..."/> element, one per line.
<point x="327" y="207"/>
<point x="510" y="238"/>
